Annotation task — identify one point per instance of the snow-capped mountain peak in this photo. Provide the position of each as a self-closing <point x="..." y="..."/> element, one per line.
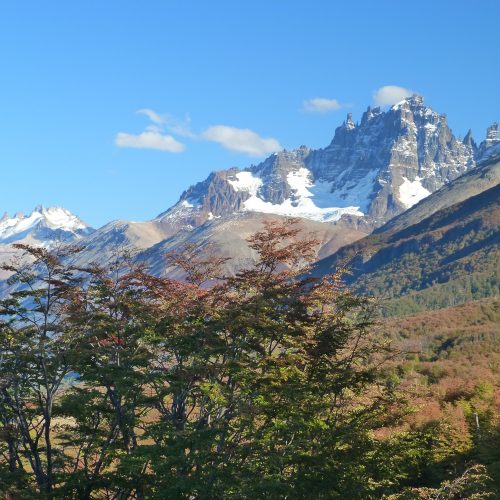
<point x="374" y="170"/>
<point x="42" y="224"/>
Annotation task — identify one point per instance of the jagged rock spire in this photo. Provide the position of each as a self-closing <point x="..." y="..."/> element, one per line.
<point x="491" y="140"/>
<point x="492" y="132"/>
<point x="369" y="114"/>
<point x="468" y="140"/>
<point x="349" y="124"/>
<point x="416" y="100"/>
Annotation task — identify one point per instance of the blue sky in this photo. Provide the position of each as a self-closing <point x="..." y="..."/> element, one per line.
<point x="217" y="84"/>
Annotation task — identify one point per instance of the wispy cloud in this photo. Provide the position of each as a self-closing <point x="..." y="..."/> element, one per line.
<point x="241" y="140"/>
<point x="179" y="126"/>
<point x="152" y="115"/>
<point x="153" y="136"/>
<point x="321" y="105"/>
<point x="175" y="125"/>
<point x="390" y="94"/>
<point x="149" y="139"/>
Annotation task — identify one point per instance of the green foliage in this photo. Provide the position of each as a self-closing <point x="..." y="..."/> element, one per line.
<point x="459" y="290"/>
<point x="472" y="484"/>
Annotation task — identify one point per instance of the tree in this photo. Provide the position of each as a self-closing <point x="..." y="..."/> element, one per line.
<point x="108" y="406"/>
<point x="473" y="484"/>
<point x="264" y="382"/>
<point x="34" y="349"/>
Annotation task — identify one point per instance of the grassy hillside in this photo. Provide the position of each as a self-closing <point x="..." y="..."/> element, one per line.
<point x="446" y="259"/>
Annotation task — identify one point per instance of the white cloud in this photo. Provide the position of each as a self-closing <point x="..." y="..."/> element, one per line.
<point x="241" y="140"/>
<point x="152" y="115"/>
<point x="390" y="94"/>
<point x="320" y="105"/>
<point x="150" y="139"/>
<point x="163" y="129"/>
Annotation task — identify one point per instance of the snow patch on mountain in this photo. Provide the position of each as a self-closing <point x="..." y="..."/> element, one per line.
<point x="311" y="200"/>
<point x="300" y="182"/>
<point x="304" y="207"/>
<point x="353" y="193"/>
<point x="246" y="181"/>
<point x="411" y="192"/>
<point x="189" y="203"/>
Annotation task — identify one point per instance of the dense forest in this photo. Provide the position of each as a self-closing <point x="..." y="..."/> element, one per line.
<point x="272" y="383"/>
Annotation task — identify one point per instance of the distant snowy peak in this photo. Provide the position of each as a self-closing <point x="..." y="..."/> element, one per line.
<point x="42" y="224"/>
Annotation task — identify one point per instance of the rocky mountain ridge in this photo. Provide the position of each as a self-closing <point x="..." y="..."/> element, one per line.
<point x="373" y="170"/>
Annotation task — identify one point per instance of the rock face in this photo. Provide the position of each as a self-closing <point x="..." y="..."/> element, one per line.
<point x="485" y="176"/>
<point x="407" y="152"/>
<point x="491" y="143"/>
<point x="373" y="170"/>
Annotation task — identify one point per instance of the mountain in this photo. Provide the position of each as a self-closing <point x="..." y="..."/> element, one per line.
<point x="442" y="252"/>
<point x="42" y="227"/>
<point x="369" y="173"/>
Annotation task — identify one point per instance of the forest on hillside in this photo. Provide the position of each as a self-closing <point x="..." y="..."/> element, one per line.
<point x="272" y="383"/>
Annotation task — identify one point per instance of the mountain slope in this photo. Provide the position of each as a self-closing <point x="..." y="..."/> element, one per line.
<point x="120" y="236"/>
<point x="227" y="237"/>
<point x="449" y="257"/>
